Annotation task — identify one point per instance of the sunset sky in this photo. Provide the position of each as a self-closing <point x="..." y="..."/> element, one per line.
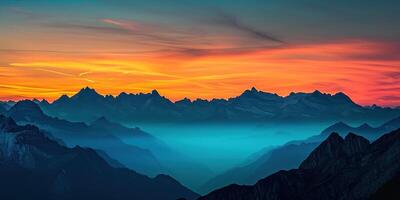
<point x="201" y="49"/>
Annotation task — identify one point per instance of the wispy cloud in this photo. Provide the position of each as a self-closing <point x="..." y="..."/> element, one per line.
<point x="27" y="14"/>
<point x="125" y="24"/>
<point x="85" y="73"/>
<point x="233" y="22"/>
<point x="135" y="34"/>
<point x="104" y="29"/>
<point x="390" y="97"/>
<point x="54" y="72"/>
<point x="393" y="74"/>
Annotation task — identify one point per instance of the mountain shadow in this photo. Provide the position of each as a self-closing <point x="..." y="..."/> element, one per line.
<point x="77" y="133"/>
<point x="131" y="147"/>
<point x="290" y="155"/>
<point x="349" y="168"/>
<point x="33" y="166"/>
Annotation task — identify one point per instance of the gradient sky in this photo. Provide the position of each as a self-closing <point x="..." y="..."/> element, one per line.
<point x="206" y="49"/>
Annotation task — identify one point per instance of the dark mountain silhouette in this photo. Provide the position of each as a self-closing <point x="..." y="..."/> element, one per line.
<point x="2" y="109"/>
<point x="176" y="163"/>
<point x="365" y="130"/>
<point x="131" y="147"/>
<point x="349" y="168"/>
<point x="281" y="158"/>
<point x="290" y="155"/>
<point x="111" y="161"/>
<point x="391" y="124"/>
<point x="87" y="105"/>
<point x="77" y="133"/>
<point x="252" y="105"/>
<point x="34" y="167"/>
<point x="7" y="104"/>
<point x="103" y="124"/>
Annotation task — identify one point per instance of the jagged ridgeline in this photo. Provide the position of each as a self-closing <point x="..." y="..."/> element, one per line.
<point x="104" y="124"/>
<point x="252" y="105"/>
<point x="32" y="166"/>
<point x="290" y="155"/>
<point x="144" y="153"/>
<point x="349" y="168"/>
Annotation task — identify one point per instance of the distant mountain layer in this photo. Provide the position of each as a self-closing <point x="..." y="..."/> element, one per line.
<point x="2" y="109"/>
<point x="34" y="167"/>
<point x="96" y="137"/>
<point x="349" y="168"/>
<point x="144" y="153"/>
<point x="365" y="130"/>
<point x="252" y="105"/>
<point x="290" y="155"/>
<point x="7" y="104"/>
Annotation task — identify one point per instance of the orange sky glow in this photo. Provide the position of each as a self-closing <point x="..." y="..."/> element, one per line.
<point x="355" y="67"/>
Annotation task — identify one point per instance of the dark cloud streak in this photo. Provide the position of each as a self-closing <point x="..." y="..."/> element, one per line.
<point x="390" y="98"/>
<point x="29" y="15"/>
<point x="180" y="45"/>
<point x="154" y="38"/>
<point x="231" y="21"/>
<point x="394" y="75"/>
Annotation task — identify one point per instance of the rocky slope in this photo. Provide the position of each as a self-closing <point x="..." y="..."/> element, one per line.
<point x="290" y="155"/>
<point x="34" y="167"/>
<point x="131" y="147"/>
<point x="78" y="133"/>
<point x="349" y="168"/>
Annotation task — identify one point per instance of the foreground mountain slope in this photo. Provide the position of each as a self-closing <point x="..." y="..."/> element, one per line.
<point x="252" y="105"/>
<point x="338" y="168"/>
<point x="76" y="133"/>
<point x="281" y="158"/>
<point x="132" y="147"/>
<point x="290" y="155"/>
<point x="35" y="167"/>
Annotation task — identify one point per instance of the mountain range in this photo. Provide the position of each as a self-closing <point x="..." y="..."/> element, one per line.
<point x="365" y="130"/>
<point x="78" y="133"/>
<point x="349" y="168"/>
<point x="92" y="120"/>
<point x="32" y="166"/>
<point x="129" y="147"/>
<point x="290" y="155"/>
<point x="252" y="105"/>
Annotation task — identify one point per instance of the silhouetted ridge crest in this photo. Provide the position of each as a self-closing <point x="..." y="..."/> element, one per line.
<point x="26" y="110"/>
<point x="338" y="168"/>
<point x="26" y="106"/>
<point x="385" y="141"/>
<point x="333" y="149"/>
<point x="63" y="99"/>
<point x="155" y="93"/>
<point x="355" y="144"/>
<point x="87" y="93"/>
<point x="251" y="105"/>
<point x="34" y="167"/>
<point x="101" y="120"/>
<point x="327" y="151"/>
<point x="365" y="125"/>
<point x="392" y="123"/>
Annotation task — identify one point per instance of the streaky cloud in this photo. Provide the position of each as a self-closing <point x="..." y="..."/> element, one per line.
<point x="231" y="21"/>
